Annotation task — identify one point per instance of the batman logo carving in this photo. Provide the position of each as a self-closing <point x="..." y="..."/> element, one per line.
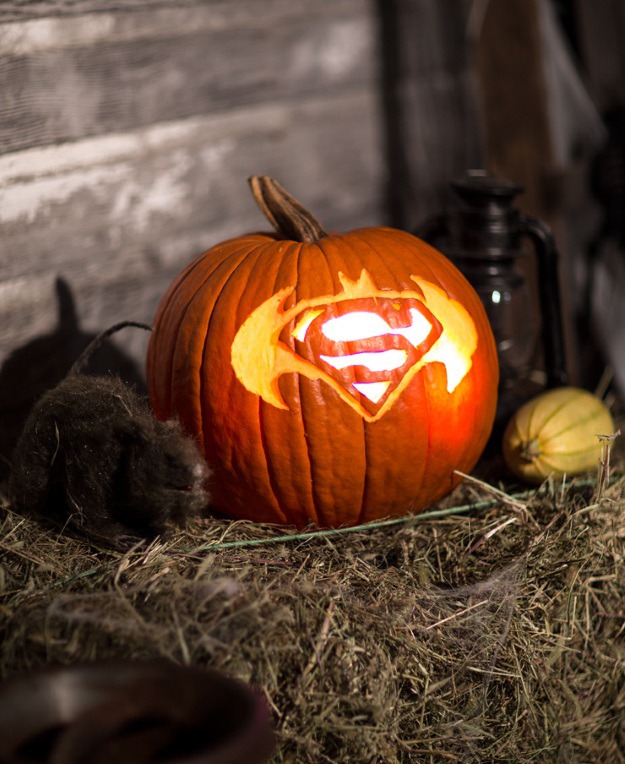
<point x="366" y="343"/>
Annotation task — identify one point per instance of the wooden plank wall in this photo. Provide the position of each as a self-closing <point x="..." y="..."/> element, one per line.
<point x="431" y="104"/>
<point x="517" y="130"/>
<point x="128" y="130"/>
<point x="597" y="217"/>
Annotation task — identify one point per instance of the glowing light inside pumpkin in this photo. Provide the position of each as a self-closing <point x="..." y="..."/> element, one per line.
<point x="259" y="359"/>
<point x="361" y="325"/>
<point x="302" y="325"/>
<point x="383" y="360"/>
<point x="374" y="391"/>
<point x="456" y="366"/>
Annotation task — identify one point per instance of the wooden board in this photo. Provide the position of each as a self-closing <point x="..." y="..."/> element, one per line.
<point x="133" y="208"/>
<point x="127" y="136"/>
<point x="517" y="131"/>
<point x="66" y="78"/>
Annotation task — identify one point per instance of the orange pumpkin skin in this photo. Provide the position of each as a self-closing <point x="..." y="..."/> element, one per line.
<point x="309" y="453"/>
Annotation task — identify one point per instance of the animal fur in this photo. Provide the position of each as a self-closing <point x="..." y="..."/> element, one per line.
<point x="92" y="456"/>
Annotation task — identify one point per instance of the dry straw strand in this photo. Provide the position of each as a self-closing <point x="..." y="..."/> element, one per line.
<point x="470" y="633"/>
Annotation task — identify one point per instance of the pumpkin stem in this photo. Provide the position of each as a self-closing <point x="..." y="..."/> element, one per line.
<point x="290" y="219"/>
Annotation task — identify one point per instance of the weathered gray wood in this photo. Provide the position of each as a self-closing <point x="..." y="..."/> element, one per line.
<point x="118" y="216"/>
<point x="128" y="210"/>
<point x="20" y="10"/>
<point x="66" y="78"/>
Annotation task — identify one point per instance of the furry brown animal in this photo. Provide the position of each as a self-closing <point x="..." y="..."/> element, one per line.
<point x="93" y="457"/>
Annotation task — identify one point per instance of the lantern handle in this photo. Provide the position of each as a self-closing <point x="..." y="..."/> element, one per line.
<point x="547" y="258"/>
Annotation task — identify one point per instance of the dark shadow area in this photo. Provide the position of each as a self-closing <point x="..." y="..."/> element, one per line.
<point x="398" y="177"/>
<point x="429" y="120"/>
<point x="607" y="186"/>
<point x="31" y="370"/>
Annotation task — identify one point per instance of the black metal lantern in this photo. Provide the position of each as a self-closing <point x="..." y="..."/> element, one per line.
<point x="483" y="235"/>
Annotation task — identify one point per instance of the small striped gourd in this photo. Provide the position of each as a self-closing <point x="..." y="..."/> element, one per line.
<point x="559" y="431"/>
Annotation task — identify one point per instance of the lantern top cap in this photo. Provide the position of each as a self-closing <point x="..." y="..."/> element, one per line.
<point x="477" y="188"/>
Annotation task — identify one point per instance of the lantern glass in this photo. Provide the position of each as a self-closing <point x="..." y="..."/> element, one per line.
<point x="509" y="304"/>
<point x="483" y="235"/>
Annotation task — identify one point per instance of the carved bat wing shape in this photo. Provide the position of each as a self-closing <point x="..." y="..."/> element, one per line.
<point x="259" y="357"/>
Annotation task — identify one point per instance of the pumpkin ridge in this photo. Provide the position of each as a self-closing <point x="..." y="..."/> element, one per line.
<point x="313" y="501"/>
<point x="200" y="371"/>
<point x="363" y="497"/>
<point x="270" y="477"/>
<point x="399" y="238"/>
<point x="321" y="518"/>
<point x="160" y="318"/>
<point x="367" y="477"/>
<point x="530" y="421"/>
<point x="304" y="414"/>
<point x="259" y="249"/>
<point x="481" y="425"/>
<point x="476" y="432"/>
<point x="189" y="299"/>
<point x="544" y="462"/>
<point x="428" y="404"/>
<point x="383" y="258"/>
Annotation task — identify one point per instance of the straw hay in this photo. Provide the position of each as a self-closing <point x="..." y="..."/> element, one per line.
<point x="494" y="633"/>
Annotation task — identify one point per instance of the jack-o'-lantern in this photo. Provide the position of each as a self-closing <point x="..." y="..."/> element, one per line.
<point x="328" y="378"/>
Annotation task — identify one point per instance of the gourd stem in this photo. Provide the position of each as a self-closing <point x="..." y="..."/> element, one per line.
<point x="529" y="450"/>
<point x="290" y="219"/>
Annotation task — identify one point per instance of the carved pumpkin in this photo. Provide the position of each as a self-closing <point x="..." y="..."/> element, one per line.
<point x="328" y="378"/>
